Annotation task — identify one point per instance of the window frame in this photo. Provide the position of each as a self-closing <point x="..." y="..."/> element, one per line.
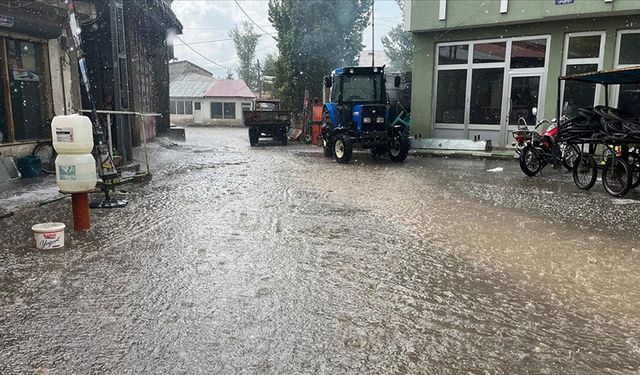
<point x="582" y="61"/>
<point x="470" y="66"/>
<point x="235" y="108"/>
<point x="47" y="89"/>
<point x="211" y="115"/>
<point x="614" y="92"/>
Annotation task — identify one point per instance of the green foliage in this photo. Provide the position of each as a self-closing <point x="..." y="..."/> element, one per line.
<point x="399" y="48"/>
<point x="246" y="39"/>
<point x="314" y="37"/>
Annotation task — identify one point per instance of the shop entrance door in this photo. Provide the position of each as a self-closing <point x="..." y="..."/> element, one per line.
<point x="523" y="94"/>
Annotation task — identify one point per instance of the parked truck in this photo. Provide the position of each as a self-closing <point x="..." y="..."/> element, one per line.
<point x="267" y="120"/>
<point x="357" y="114"/>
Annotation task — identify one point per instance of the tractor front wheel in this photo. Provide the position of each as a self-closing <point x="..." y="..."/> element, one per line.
<point x="342" y="149"/>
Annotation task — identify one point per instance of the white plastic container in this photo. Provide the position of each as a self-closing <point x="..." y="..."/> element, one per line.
<point x="49" y="235"/>
<point x="72" y="134"/>
<point x="76" y="173"/>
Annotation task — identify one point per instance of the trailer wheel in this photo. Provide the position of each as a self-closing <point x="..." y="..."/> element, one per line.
<point x="399" y="149"/>
<point x="616" y="177"/>
<point x="342" y="149"/>
<point x="585" y="171"/>
<point x="253" y="137"/>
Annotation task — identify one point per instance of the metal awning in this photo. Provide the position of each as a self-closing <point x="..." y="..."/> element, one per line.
<point x="622" y="76"/>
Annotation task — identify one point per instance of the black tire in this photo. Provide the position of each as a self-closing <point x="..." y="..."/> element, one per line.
<point x="530" y="161"/>
<point x="569" y="155"/>
<point x="399" y="149"/>
<point x="616" y="177"/>
<point x="253" y="137"/>
<point x="585" y="172"/>
<point x="342" y="149"/>
<point x="634" y="164"/>
<point x="327" y="147"/>
<point x="47" y="155"/>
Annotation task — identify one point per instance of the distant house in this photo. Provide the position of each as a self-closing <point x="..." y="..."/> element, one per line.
<point x="199" y="99"/>
<point x="379" y="56"/>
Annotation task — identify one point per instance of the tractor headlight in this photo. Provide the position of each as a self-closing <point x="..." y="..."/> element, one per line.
<point x="380" y="120"/>
<point x="366" y="120"/>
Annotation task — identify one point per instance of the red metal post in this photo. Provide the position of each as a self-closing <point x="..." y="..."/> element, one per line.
<point x="80" y="207"/>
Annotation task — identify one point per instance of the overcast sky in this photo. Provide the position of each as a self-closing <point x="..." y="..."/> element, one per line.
<point x="207" y="24"/>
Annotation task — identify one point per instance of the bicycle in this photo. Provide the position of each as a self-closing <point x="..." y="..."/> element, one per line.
<point x="47" y="154"/>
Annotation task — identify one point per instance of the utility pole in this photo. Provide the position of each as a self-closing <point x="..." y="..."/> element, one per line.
<point x="373" y="33"/>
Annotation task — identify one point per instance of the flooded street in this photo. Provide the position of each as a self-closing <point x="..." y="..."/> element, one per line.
<point x="276" y="260"/>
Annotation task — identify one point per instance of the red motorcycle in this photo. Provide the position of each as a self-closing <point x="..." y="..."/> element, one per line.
<point x="536" y="150"/>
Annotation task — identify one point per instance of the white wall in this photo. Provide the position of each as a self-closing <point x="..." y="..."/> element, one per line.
<point x="206" y="112"/>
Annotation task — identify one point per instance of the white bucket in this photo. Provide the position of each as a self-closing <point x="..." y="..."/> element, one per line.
<point x="49" y="235"/>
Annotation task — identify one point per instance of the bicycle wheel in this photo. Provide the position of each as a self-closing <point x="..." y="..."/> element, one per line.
<point x="585" y="172"/>
<point x="616" y="177"/>
<point x="47" y="155"/>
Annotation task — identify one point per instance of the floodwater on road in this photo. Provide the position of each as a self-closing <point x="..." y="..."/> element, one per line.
<point x="276" y="260"/>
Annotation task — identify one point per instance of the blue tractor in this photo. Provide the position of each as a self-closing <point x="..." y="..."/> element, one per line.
<point x="358" y="115"/>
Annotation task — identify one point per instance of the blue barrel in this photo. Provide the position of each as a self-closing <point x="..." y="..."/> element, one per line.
<point x="30" y="166"/>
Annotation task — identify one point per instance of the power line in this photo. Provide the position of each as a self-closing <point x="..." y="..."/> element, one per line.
<point x="201" y="55"/>
<point x="254" y="22"/>
<point x="212" y="41"/>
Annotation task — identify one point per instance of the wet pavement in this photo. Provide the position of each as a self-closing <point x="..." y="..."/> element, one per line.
<point x="275" y="260"/>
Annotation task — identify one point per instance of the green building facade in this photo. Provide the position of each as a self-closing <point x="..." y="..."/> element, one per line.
<point x="480" y="65"/>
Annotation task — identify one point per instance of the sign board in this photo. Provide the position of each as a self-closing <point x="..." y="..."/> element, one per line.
<point x="6" y="21"/>
<point x="565" y="2"/>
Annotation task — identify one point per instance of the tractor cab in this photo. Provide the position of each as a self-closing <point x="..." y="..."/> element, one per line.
<point x="357" y="110"/>
<point x="358" y="98"/>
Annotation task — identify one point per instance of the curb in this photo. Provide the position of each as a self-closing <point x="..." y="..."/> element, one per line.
<point x="504" y="155"/>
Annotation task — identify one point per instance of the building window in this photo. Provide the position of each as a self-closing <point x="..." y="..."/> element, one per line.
<point x="216" y="110"/>
<point x="486" y="96"/>
<point x="628" y="54"/>
<point x="225" y="111"/>
<point x="188" y="108"/>
<point x="489" y="52"/>
<point x="29" y="91"/>
<point x="180" y="107"/>
<point x="197" y="106"/>
<point x="449" y="55"/>
<point x="230" y="110"/>
<point x="246" y="107"/>
<point x="472" y="78"/>
<point x="583" y="55"/>
<point x="528" y="53"/>
<point x="172" y="107"/>
<point x="450" y="96"/>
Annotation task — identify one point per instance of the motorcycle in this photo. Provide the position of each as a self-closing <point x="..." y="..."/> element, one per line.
<point x="536" y="150"/>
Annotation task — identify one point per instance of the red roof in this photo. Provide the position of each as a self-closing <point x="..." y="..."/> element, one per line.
<point x="229" y="88"/>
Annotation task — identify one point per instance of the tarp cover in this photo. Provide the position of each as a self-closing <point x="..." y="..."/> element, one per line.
<point x="611" y="77"/>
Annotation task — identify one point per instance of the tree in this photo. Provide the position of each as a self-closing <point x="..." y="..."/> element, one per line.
<point x="398" y="45"/>
<point x="246" y="39"/>
<point x="229" y="75"/>
<point x="399" y="48"/>
<point x="314" y="37"/>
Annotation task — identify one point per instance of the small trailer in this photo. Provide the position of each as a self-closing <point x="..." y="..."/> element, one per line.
<point x="267" y="120"/>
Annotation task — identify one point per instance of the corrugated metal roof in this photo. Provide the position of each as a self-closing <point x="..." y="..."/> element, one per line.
<point x="229" y="88"/>
<point x="189" y="86"/>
